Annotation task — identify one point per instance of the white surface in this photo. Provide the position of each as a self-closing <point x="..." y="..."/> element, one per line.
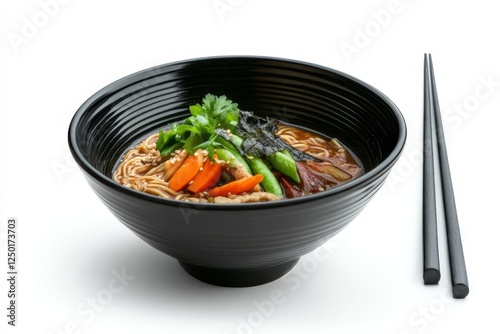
<point x="366" y="280"/>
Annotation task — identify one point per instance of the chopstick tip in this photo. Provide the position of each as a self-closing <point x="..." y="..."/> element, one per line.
<point x="460" y="291"/>
<point x="432" y="276"/>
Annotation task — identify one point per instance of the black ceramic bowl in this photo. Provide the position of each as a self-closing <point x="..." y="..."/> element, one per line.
<point x="245" y="244"/>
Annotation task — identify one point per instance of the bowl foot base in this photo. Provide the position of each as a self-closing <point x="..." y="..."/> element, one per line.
<point x="238" y="277"/>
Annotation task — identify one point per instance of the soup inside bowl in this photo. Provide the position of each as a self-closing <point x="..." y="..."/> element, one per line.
<point x="250" y="243"/>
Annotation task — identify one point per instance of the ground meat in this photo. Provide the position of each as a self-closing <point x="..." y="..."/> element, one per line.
<point x="238" y="172"/>
<point x="259" y="196"/>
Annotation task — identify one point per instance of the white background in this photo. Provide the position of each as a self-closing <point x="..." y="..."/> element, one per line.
<point x="368" y="279"/>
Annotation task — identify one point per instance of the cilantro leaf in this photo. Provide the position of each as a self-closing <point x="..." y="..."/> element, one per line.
<point x="199" y="130"/>
<point x="169" y="149"/>
<point x="166" y="138"/>
<point x="191" y="144"/>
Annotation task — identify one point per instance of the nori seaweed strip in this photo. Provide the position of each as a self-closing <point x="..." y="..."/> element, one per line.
<point x="222" y="133"/>
<point x="260" y="140"/>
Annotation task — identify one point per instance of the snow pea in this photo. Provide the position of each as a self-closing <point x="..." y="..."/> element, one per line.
<point x="270" y="183"/>
<point x="285" y="164"/>
<point x="234" y="158"/>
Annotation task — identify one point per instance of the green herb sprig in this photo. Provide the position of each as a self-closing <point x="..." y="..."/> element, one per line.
<point x="198" y="131"/>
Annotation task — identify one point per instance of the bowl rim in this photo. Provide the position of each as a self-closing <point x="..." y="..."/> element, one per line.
<point x="387" y="163"/>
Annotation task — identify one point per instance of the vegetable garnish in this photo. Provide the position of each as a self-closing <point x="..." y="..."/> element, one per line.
<point x="237" y="187"/>
<point x="260" y="139"/>
<point x="270" y="183"/>
<point x="187" y="172"/>
<point x="199" y="130"/>
<point x="208" y="177"/>
<point x="221" y="151"/>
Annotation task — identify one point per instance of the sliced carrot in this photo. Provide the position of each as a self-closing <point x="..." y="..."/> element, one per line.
<point x="208" y="177"/>
<point x="237" y="187"/>
<point x="187" y="172"/>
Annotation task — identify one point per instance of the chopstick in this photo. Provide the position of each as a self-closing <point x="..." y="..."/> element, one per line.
<point x="460" y="284"/>
<point x="432" y="272"/>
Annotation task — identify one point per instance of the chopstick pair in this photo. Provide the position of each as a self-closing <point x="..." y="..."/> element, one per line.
<point x="432" y="275"/>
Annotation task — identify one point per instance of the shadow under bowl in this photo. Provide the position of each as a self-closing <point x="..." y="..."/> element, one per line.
<point x="241" y="244"/>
